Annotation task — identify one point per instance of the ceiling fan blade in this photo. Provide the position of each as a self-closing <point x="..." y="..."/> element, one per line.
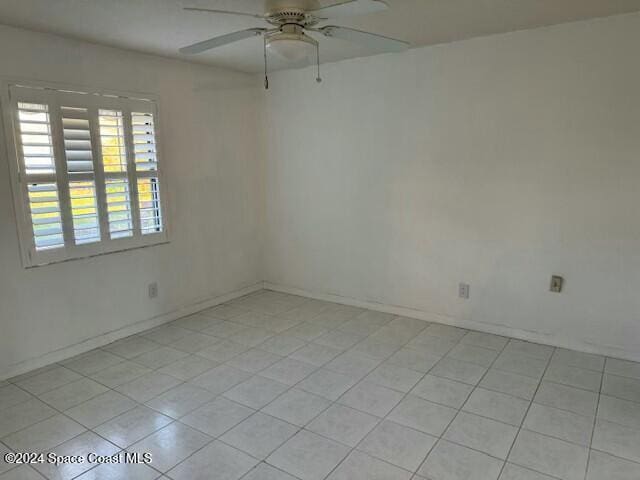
<point x="221" y="40"/>
<point x="348" y="8"/>
<point x="371" y="40"/>
<point x="226" y="12"/>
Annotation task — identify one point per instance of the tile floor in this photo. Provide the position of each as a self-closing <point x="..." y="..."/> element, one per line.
<point x="279" y="387"/>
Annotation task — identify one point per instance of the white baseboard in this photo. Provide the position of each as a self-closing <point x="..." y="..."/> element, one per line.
<point x="552" y="340"/>
<point x="137" y="327"/>
<point x="199" y="305"/>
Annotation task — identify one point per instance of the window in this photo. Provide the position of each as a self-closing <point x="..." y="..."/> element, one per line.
<point x="86" y="171"/>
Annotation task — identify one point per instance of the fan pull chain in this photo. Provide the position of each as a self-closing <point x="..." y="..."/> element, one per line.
<point x="266" y="74"/>
<point x="318" y="78"/>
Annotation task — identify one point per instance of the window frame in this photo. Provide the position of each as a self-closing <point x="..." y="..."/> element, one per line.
<point x="56" y="96"/>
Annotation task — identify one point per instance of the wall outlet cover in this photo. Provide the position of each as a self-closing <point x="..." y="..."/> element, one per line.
<point x="464" y="290"/>
<point x="153" y="290"/>
<point x="556" y="284"/>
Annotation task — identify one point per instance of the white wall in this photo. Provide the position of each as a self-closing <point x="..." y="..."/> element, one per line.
<point x="208" y="117"/>
<point x="496" y="161"/>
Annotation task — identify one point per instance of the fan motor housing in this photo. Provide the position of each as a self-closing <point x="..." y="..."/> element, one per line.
<point x="282" y="12"/>
<point x="307" y="5"/>
<point x="284" y="17"/>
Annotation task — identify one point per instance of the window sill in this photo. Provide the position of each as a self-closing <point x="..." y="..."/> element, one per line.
<point x="42" y="259"/>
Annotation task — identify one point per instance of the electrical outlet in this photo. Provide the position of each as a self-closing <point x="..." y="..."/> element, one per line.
<point x="153" y="290"/>
<point x="556" y="284"/>
<point x="463" y="290"/>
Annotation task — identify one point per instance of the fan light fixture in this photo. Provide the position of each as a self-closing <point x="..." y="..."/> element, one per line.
<point x="292" y="44"/>
<point x="291" y="47"/>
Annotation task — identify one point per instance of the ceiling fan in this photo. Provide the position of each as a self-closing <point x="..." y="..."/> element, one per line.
<point x="291" y="19"/>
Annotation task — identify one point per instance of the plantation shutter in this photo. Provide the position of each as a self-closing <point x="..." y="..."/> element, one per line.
<point x="87" y="169"/>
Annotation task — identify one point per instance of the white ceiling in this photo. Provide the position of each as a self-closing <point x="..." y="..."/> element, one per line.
<point x="161" y="26"/>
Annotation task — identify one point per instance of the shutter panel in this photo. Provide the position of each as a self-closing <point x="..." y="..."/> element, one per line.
<point x="77" y="140"/>
<point x="84" y="211"/>
<point x="39" y="166"/>
<point x="119" y="208"/>
<point x="144" y="142"/>
<point x="82" y="192"/>
<point x="149" y="205"/>
<point x="146" y="161"/>
<point x="35" y="139"/>
<point x="114" y="154"/>
<point x="114" y="163"/>
<point x="46" y="217"/>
